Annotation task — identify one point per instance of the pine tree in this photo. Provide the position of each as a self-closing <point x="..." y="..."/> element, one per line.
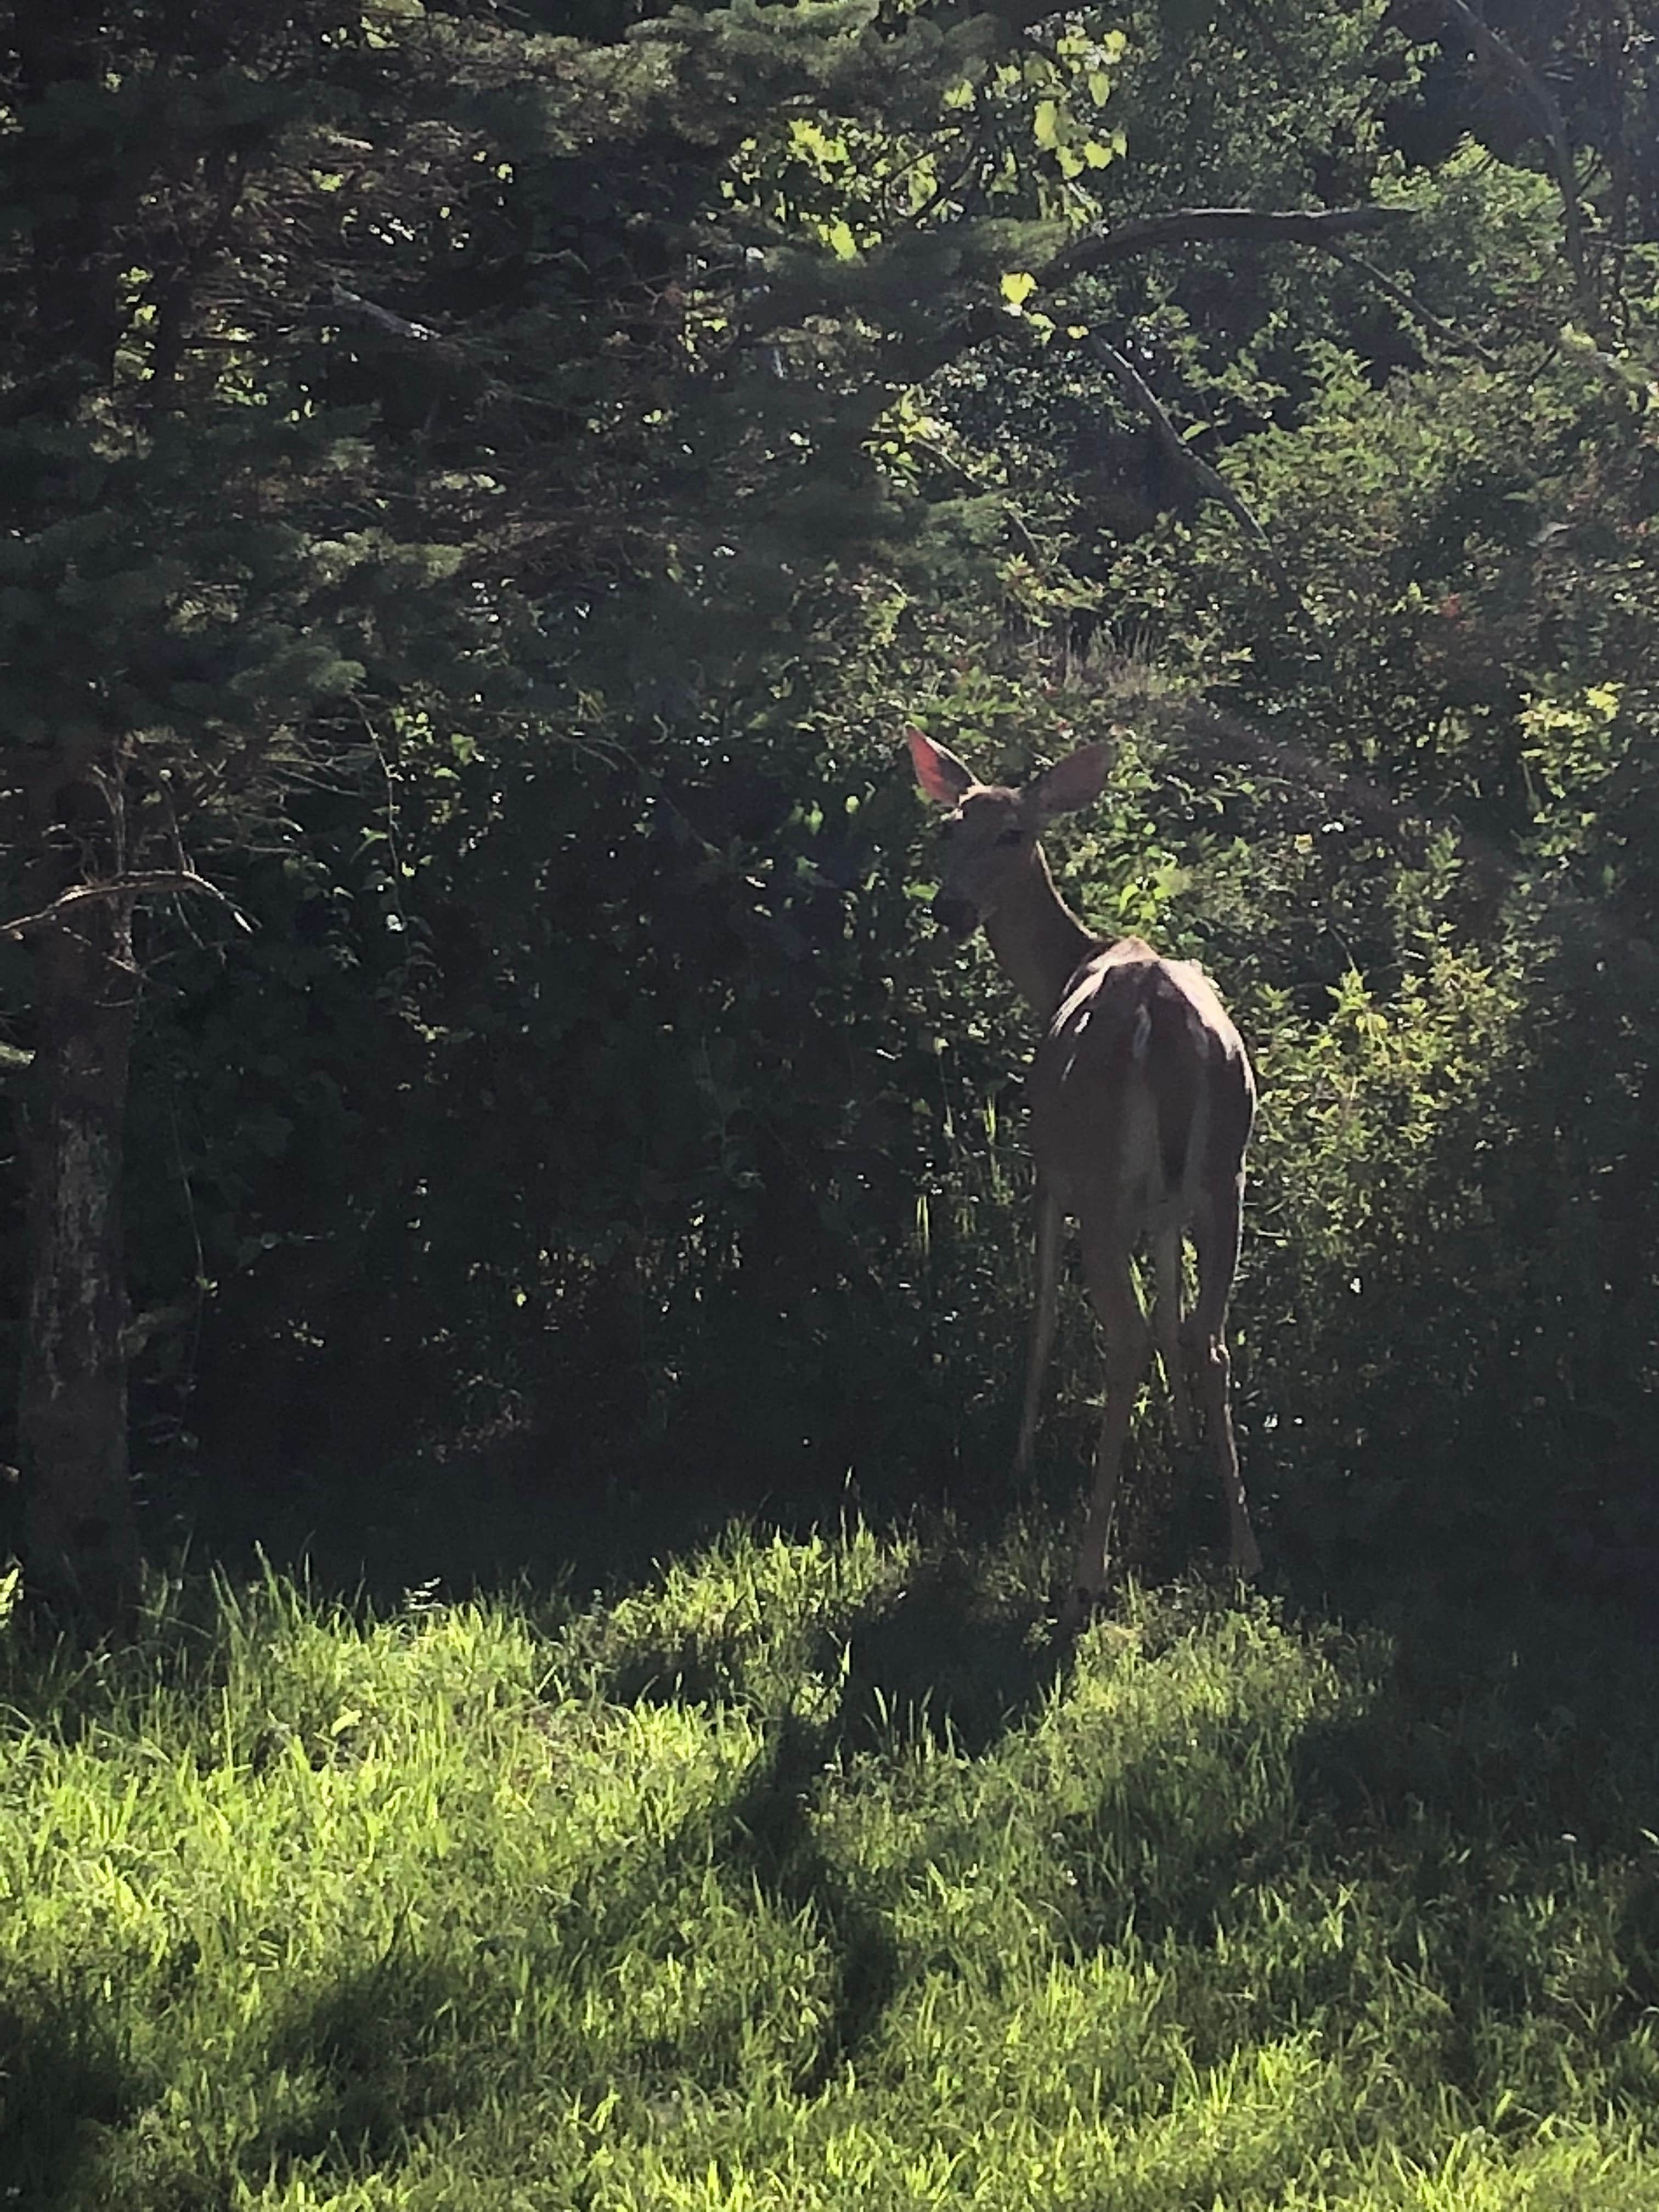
<point x="410" y="376"/>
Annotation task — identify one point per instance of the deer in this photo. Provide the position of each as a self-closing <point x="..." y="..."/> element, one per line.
<point x="1142" y="1101"/>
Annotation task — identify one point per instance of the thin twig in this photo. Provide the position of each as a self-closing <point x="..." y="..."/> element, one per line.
<point x="1018" y="528"/>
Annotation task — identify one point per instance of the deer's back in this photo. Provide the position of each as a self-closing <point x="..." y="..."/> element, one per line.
<point x="1141" y="1090"/>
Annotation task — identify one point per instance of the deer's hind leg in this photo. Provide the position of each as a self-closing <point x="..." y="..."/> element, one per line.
<point x="1166" y="1327"/>
<point x="1128" y="1352"/>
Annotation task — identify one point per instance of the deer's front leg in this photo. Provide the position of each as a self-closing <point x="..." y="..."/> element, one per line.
<point x="1049" y="1228"/>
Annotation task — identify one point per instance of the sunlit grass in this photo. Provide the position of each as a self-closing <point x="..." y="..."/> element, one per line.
<point x="814" y="1876"/>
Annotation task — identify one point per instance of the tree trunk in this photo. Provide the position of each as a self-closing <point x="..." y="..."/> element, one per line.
<point x="80" y="1534"/>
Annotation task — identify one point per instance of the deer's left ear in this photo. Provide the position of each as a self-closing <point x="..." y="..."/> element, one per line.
<point x="940" y="773"/>
<point x="1077" y="780"/>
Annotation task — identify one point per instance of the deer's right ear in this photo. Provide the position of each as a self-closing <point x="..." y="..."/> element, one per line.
<point x="1077" y="780"/>
<point x="940" y="773"/>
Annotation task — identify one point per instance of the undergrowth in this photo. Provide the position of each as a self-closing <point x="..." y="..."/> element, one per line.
<point x="815" y="1875"/>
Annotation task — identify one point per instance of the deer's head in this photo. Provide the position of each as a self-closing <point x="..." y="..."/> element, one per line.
<point x="990" y="835"/>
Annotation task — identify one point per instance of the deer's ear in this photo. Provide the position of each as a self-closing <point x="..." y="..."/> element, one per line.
<point x="940" y="773"/>
<point x="1077" y="780"/>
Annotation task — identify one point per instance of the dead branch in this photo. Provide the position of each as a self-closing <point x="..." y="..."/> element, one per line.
<point x="1409" y="304"/>
<point x="1503" y="58"/>
<point x="142" y="883"/>
<point x="1322" y="228"/>
<point x="349" y="303"/>
<point x="1209" y="483"/>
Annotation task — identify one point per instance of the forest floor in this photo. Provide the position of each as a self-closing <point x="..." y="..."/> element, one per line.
<point x="812" y="1871"/>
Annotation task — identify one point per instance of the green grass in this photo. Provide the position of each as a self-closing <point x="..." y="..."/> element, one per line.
<point x="814" y="1876"/>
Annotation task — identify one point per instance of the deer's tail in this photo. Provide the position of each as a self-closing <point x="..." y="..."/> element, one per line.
<point x="1163" y="1043"/>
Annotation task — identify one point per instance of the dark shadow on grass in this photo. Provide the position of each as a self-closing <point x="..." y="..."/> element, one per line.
<point x="941" y="1660"/>
<point x="770" y="1836"/>
<point x="486" y="1523"/>
<point x="1488" y="1763"/>
<point x="63" y="2081"/>
<point x="582" y="1502"/>
<point x="366" y="2058"/>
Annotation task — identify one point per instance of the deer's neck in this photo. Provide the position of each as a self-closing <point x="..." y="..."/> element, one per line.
<point x="1038" y="939"/>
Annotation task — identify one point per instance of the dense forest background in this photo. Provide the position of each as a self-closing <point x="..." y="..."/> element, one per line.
<point x="485" y="488"/>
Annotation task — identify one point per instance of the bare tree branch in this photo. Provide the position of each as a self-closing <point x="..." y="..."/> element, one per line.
<point x="141" y="883"/>
<point x="1503" y="58"/>
<point x="1209" y="483"/>
<point x="1098" y="249"/>
<point x="1409" y="304"/>
<point x="1321" y="227"/>
<point x="350" y="303"/>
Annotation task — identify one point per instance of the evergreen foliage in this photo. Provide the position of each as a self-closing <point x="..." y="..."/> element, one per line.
<point x="484" y="488"/>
